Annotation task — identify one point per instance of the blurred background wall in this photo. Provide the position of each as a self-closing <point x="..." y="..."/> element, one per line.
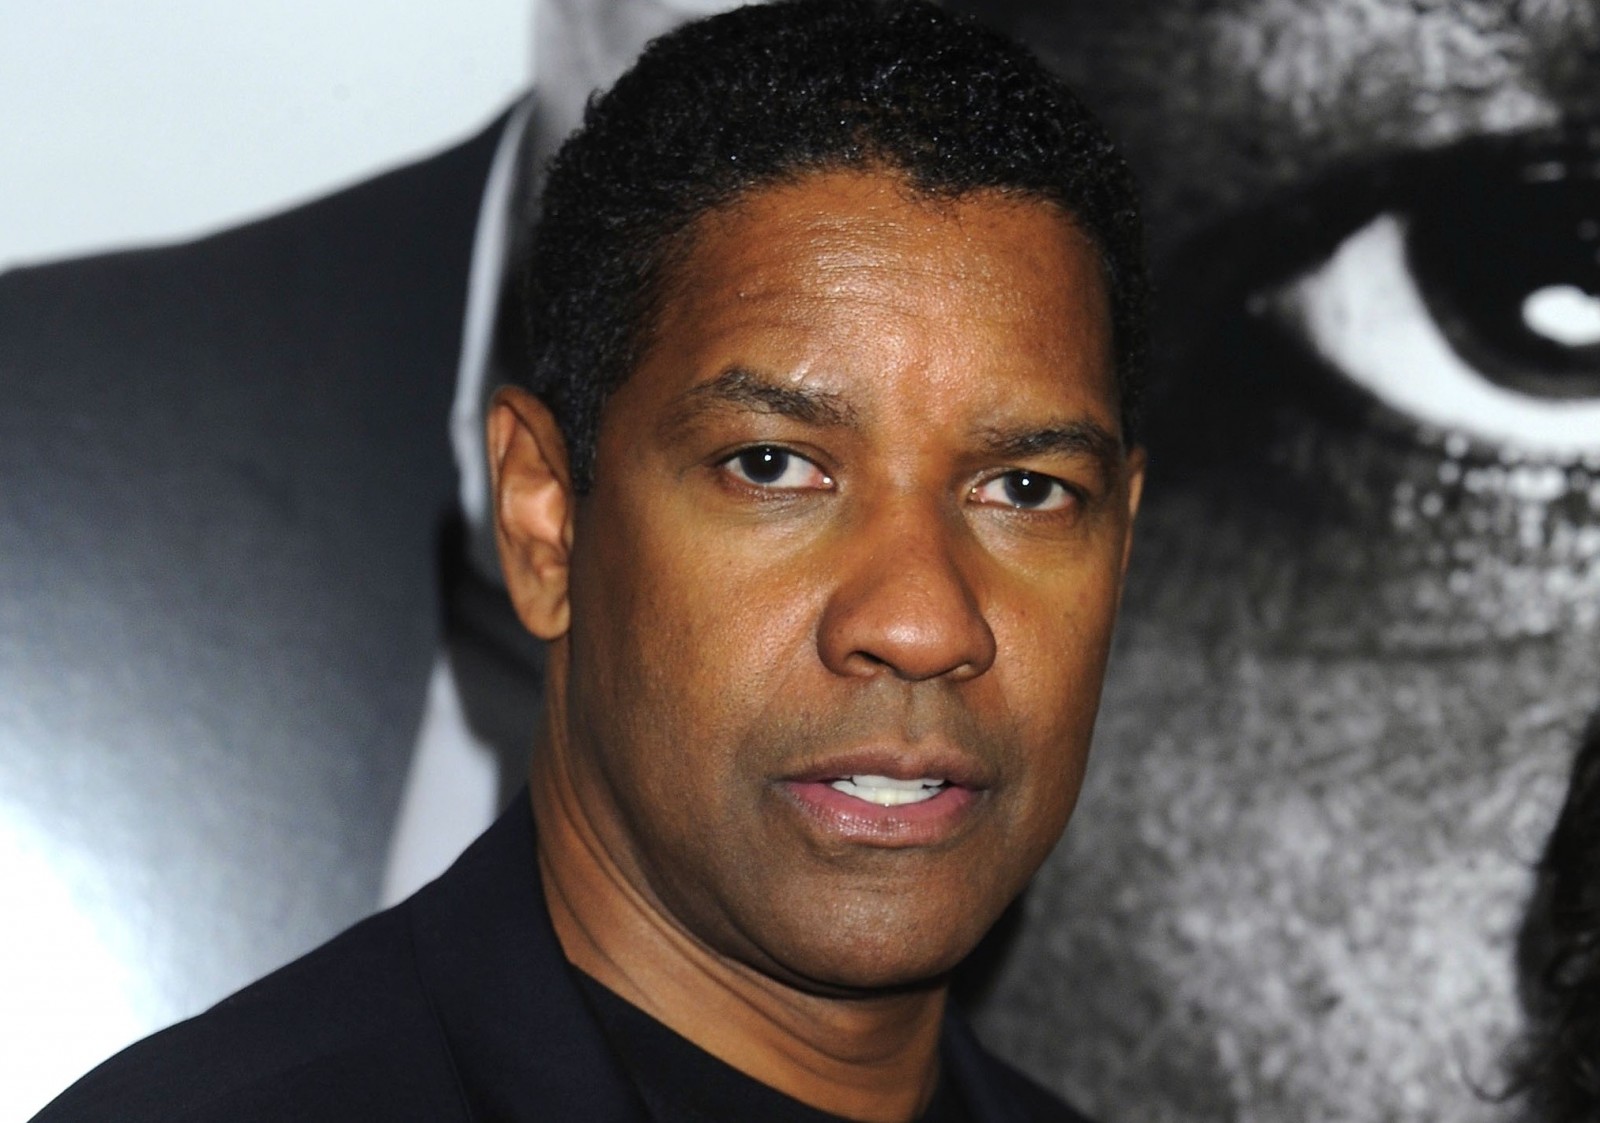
<point x="127" y="124"/>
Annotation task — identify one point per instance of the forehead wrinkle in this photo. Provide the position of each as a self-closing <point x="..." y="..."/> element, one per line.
<point x="740" y="388"/>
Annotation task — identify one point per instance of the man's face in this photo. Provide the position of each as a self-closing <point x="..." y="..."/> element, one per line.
<point x="860" y="512"/>
<point x="1363" y="634"/>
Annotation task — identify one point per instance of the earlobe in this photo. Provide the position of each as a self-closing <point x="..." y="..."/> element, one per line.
<point x="533" y="509"/>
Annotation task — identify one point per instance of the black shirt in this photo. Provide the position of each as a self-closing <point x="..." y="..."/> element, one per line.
<point x="682" y="1083"/>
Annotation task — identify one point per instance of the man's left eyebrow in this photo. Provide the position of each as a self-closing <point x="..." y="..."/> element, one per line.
<point x="1068" y="438"/>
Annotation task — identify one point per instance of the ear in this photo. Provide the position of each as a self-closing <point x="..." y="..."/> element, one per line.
<point x="533" y="509"/>
<point x="1134" y="466"/>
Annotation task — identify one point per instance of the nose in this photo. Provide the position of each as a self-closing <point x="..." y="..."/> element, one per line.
<point x="904" y="606"/>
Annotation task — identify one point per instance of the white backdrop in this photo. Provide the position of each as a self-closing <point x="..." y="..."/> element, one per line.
<point x="127" y="123"/>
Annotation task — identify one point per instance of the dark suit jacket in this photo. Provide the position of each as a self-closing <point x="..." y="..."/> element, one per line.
<point x="455" y="1005"/>
<point x="223" y="466"/>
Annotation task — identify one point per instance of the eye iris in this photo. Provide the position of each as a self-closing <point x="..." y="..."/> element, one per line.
<point x="764" y="465"/>
<point x="1026" y="489"/>
<point x="1511" y="269"/>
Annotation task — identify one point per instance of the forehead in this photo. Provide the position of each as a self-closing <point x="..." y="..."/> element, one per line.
<point x="858" y="267"/>
<point x="1221" y="103"/>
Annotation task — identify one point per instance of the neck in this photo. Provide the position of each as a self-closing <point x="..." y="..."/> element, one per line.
<point x="871" y="1058"/>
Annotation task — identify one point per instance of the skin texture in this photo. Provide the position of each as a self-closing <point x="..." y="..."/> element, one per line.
<point x="884" y="598"/>
<point x="1359" y="650"/>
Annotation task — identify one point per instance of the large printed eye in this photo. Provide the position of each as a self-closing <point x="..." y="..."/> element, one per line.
<point x="1473" y="309"/>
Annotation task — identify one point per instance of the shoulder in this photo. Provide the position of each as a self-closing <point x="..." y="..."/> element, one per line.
<point x="1032" y="1102"/>
<point x="995" y="1091"/>
<point x="402" y="236"/>
<point x="343" y="1033"/>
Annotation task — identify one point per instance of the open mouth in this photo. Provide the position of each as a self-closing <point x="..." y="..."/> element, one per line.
<point x="884" y="791"/>
<point x="860" y="802"/>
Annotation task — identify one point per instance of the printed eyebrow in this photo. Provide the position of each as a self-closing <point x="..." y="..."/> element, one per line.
<point x="1071" y="438"/>
<point x="742" y="388"/>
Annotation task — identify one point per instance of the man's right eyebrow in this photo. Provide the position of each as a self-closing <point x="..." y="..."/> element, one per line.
<point x="743" y="389"/>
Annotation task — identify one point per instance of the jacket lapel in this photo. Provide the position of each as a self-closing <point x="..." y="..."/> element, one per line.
<point x="524" y="1043"/>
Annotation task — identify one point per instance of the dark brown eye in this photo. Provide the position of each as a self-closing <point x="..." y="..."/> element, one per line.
<point x="1023" y="490"/>
<point x="777" y="468"/>
<point x="1027" y="489"/>
<point x="764" y="465"/>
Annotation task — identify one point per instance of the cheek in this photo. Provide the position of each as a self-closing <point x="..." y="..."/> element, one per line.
<point x="1053" y="648"/>
<point x="1053" y="636"/>
<point x="694" y="643"/>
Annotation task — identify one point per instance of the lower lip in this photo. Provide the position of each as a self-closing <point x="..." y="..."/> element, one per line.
<point x="926" y="823"/>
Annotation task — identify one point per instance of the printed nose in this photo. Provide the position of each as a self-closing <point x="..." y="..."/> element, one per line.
<point x="906" y="608"/>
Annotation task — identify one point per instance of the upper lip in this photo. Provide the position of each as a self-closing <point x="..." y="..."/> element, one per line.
<point x="919" y="762"/>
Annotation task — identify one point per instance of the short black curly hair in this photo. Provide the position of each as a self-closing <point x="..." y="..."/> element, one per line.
<point x="764" y="95"/>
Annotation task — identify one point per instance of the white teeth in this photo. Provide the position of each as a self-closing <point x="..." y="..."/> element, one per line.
<point x="887" y="792"/>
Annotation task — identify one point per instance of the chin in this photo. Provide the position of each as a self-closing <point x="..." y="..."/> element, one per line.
<point x="872" y="950"/>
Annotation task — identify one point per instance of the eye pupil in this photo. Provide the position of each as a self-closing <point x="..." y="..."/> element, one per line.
<point x="764" y="465"/>
<point x="1026" y="489"/>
